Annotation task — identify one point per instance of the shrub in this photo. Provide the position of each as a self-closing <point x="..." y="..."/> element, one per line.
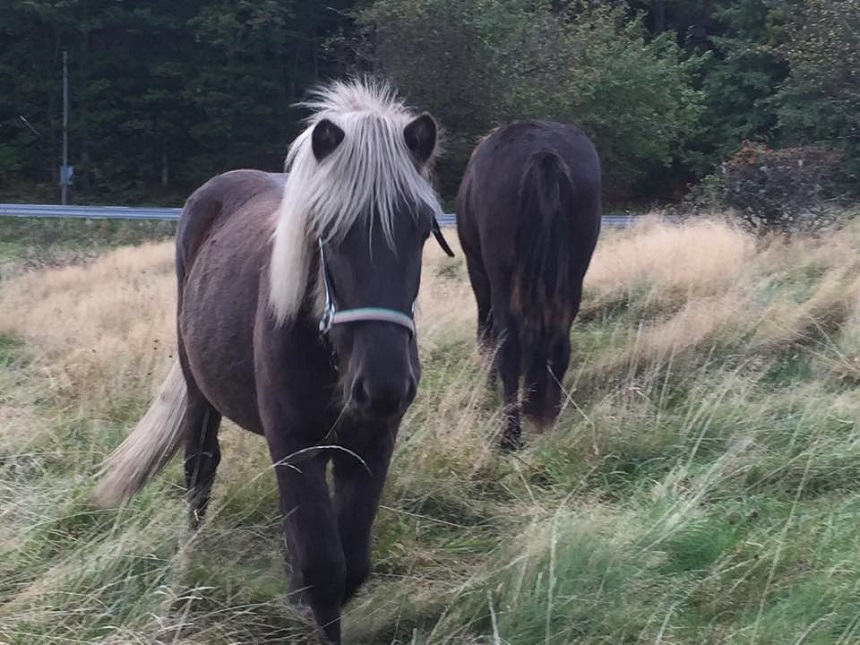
<point x="777" y="190"/>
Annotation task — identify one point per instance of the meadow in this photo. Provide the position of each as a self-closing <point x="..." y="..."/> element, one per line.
<point x="700" y="486"/>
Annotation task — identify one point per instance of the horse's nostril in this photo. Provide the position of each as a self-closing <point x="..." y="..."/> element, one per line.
<point x="382" y="401"/>
<point x="385" y="404"/>
<point x="411" y="390"/>
<point x="360" y="397"/>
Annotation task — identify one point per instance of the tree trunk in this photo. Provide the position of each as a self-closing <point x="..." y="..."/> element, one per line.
<point x="658" y="11"/>
<point x="165" y="168"/>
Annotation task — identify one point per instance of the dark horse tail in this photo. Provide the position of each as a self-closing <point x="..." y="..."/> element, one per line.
<point x="540" y="295"/>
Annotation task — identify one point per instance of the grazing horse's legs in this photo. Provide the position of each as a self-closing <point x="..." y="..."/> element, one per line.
<point x="486" y="333"/>
<point x="508" y="359"/>
<point x="316" y="557"/>
<point x="542" y="383"/>
<point x="357" y="490"/>
<point x="481" y="287"/>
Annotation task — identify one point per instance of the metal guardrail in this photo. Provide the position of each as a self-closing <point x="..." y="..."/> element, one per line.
<point x="89" y="212"/>
<point x="172" y="214"/>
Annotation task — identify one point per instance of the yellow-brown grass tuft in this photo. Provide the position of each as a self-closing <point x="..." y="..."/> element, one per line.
<point x="104" y="332"/>
<point x="686" y="291"/>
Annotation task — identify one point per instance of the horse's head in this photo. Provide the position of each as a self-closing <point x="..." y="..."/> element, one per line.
<point x="357" y="189"/>
<point x="369" y="278"/>
<point x="545" y="369"/>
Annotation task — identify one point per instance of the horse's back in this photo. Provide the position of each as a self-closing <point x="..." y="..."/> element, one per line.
<point x="233" y="194"/>
<point x="494" y="172"/>
<point x="490" y="215"/>
<point x="222" y="245"/>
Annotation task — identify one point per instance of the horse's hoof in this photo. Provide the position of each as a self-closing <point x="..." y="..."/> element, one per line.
<point x="511" y="442"/>
<point x="299" y="602"/>
<point x="195" y="520"/>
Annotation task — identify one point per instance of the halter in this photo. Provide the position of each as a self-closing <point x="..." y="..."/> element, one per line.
<point x="331" y="316"/>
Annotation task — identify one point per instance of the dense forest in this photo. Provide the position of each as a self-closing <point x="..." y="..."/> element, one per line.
<point x="165" y="93"/>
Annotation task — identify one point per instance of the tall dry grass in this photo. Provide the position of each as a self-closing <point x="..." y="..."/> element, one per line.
<point x="99" y="333"/>
<point x="693" y="289"/>
<point x="696" y="488"/>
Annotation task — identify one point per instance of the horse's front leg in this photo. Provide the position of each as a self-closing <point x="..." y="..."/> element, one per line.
<point x="315" y="553"/>
<point x="358" y="479"/>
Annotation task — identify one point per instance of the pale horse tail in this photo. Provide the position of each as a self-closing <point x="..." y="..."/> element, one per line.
<point x="148" y="448"/>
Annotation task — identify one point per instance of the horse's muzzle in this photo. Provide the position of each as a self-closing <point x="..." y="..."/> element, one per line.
<point x="383" y="399"/>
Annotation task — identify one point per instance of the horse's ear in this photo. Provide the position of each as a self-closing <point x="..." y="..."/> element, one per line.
<point x="325" y="138"/>
<point x="420" y="136"/>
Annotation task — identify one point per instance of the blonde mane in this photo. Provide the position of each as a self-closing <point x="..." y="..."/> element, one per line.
<point x="366" y="175"/>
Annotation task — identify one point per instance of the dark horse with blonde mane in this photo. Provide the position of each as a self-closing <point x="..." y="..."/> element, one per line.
<point x="528" y="219"/>
<point x="295" y="320"/>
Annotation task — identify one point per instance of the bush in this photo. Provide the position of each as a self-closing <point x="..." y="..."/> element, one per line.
<point x="777" y="190"/>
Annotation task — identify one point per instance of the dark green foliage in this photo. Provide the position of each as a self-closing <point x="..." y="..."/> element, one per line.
<point x="738" y="83"/>
<point x="163" y="94"/>
<point x="820" y="102"/>
<point x="480" y="63"/>
<point x="166" y="94"/>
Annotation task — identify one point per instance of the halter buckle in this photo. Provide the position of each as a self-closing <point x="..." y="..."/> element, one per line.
<point x="326" y="320"/>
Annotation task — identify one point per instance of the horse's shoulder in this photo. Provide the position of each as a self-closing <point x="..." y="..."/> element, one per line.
<point x="241" y="192"/>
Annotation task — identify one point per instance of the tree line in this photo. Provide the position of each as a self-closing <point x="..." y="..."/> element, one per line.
<point x="166" y="93"/>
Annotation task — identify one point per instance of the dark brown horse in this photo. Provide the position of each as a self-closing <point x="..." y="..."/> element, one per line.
<point x="528" y="218"/>
<point x="295" y="320"/>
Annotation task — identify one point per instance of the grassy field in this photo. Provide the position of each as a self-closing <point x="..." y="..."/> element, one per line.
<point x="700" y="487"/>
<point x="27" y="244"/>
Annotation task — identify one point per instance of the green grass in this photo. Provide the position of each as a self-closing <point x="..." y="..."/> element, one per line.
<point x="29" y="244"/>
<point x="706" y="498"/>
